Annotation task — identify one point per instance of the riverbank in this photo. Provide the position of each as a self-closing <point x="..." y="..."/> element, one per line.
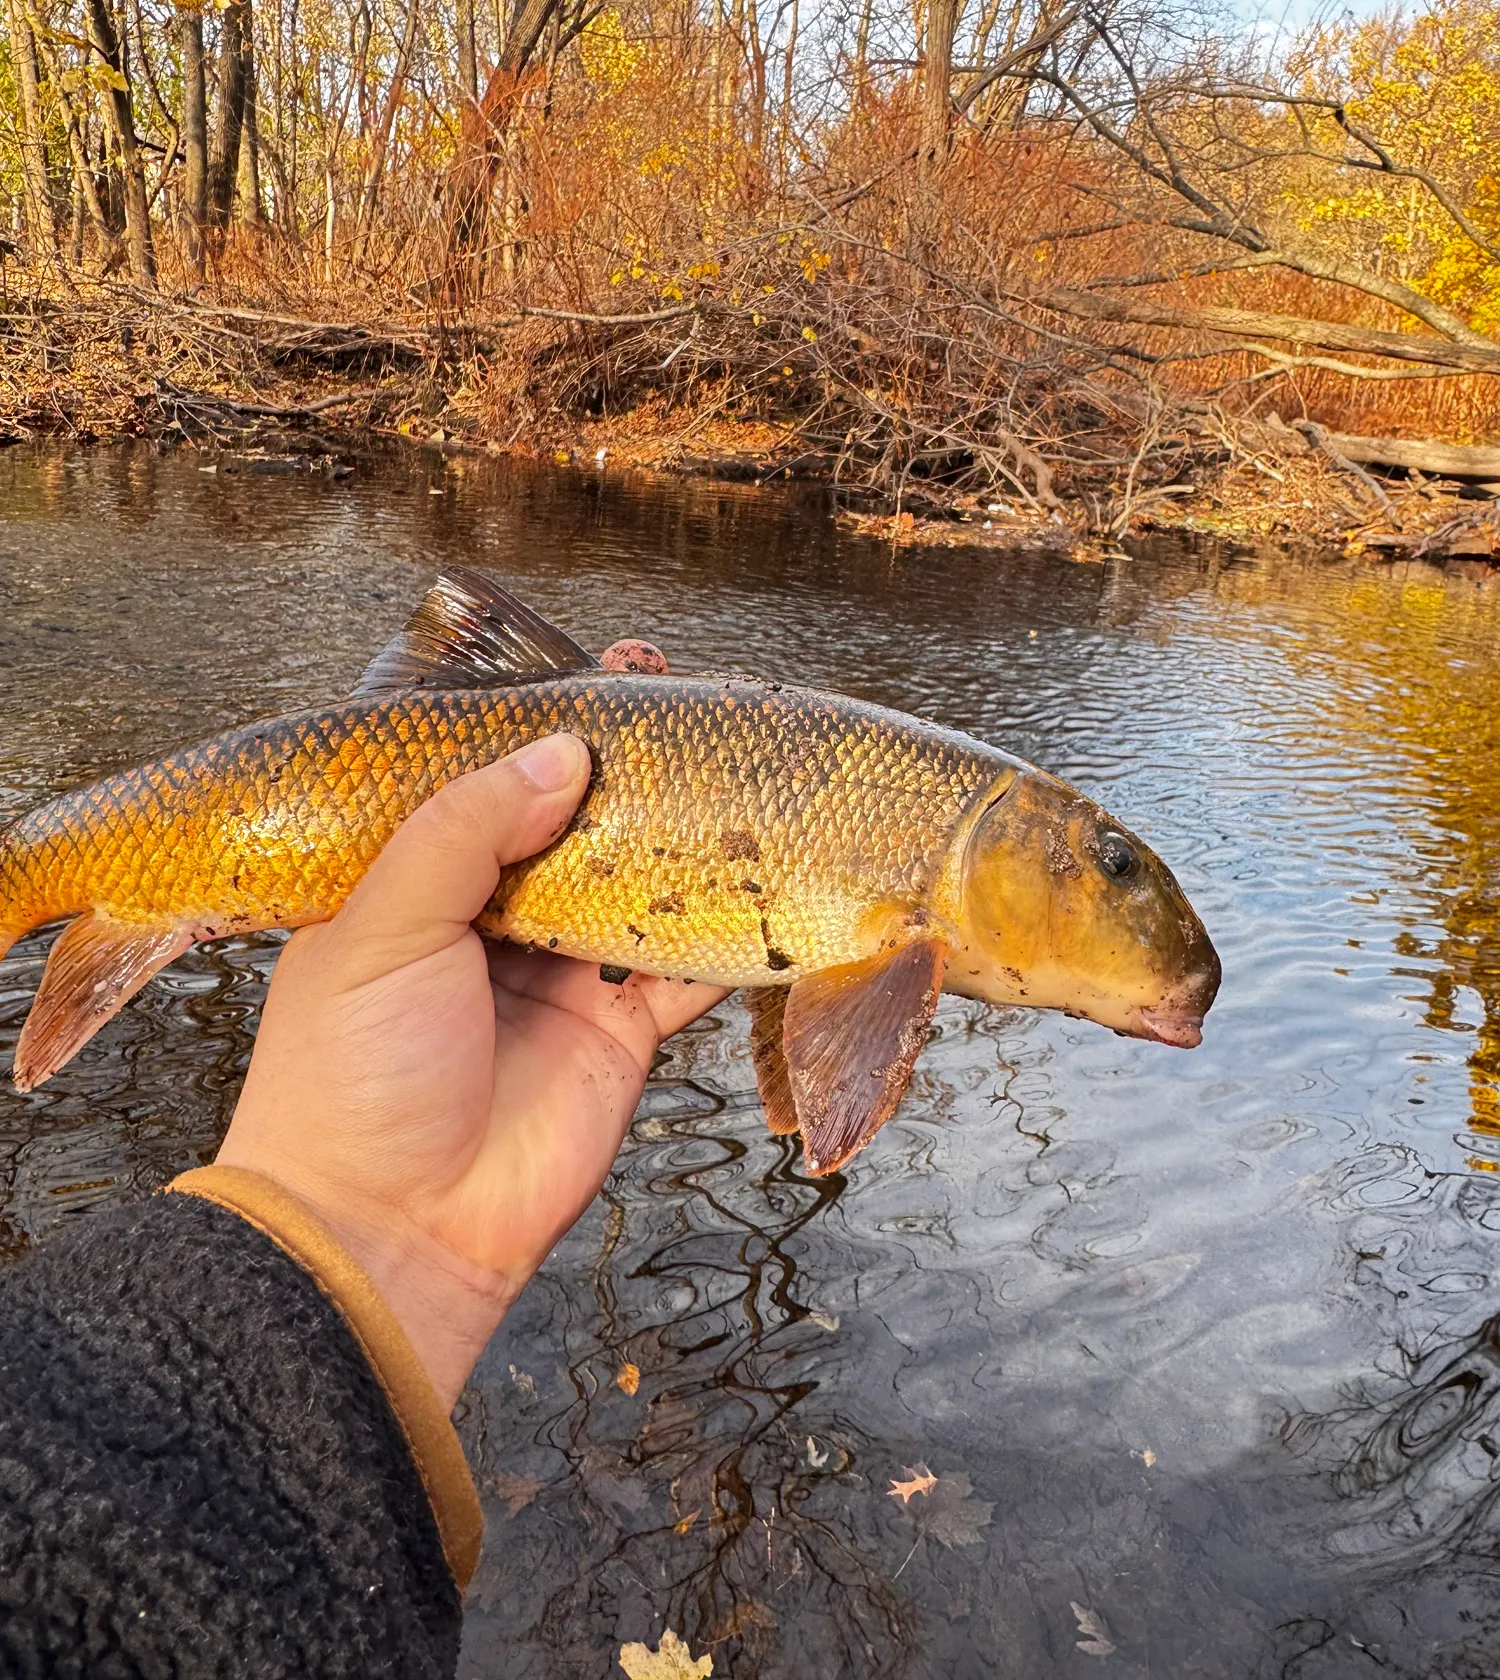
<point x="262" y="391"/>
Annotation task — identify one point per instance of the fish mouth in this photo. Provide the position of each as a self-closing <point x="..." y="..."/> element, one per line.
<point x="1181" y="1028"/>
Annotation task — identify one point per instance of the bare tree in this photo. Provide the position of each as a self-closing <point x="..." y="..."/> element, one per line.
<point x="120" y="111"/>
<point x="1191" y="144"/>
<point x="236" y="46"/>
<point x="41" y="226"/>
<point x="381" y="139"/>
<point x="193" y="123"/>
<point x="486" y="128"/>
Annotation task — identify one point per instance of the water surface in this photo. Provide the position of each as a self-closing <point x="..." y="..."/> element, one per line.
<point x="1203" y="1345"/>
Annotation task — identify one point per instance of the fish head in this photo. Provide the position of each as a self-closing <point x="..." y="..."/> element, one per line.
<point x="1062" y="907"/>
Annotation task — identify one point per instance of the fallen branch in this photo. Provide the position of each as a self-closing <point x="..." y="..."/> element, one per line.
<point x="271" y="411"/>
<point x="1291" y="329"/>
<point x="1322" y="440"/>
<point x="406" y="332"/>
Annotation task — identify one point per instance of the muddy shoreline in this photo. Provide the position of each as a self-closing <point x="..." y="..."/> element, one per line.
<point x="129" y="387"/>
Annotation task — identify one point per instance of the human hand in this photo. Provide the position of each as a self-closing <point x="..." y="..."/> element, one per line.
<point x="449" y="1108"/>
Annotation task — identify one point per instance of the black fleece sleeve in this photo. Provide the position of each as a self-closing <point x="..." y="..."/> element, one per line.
<point x="200" y="1473"/>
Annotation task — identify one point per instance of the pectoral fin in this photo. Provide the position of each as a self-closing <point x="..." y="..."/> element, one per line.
<point x="96" y="965"/>
<point x="767" y="1012"/>
<point x="851" y="1037"/>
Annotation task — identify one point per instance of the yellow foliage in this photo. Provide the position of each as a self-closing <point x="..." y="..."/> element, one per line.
<point x="1428" y="91"/>
<point x="610" y="60"/>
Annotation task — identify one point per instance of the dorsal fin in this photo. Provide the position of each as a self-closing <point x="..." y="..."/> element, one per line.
<point x="470" y="632"/>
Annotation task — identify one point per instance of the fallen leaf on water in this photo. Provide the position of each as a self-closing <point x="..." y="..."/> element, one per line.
<point x="952" y="1516"/>
<point x="819" y="1459"/>
<point x="921" y="1480"/>
<point x="608" y="1480"/>
<point x="1148" y="1458"/>
<point x="672" y="1660"/>
<point x="629" y="1378"/>
<point x="693" y="1491"/>
<point x="745" y="1616"/>
<point x="686" y="1523"/>
<point x="517" y="1491"/>
<point x="1097" y="1643"/>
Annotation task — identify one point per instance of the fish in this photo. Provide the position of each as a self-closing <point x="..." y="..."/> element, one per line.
<point x="843" y="863"/>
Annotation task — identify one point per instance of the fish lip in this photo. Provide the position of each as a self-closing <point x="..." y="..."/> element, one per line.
<point x="1180" y="1028"/>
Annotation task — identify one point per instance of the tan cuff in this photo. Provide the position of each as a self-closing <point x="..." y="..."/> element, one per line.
<point x="429" y="1431"/>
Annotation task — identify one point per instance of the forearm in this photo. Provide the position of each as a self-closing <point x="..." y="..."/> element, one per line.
<point x="219" y="1460"/>
<point x="447" y="1307"/>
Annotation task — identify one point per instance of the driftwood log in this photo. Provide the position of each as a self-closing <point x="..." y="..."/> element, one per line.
<point x="1437" y="460"/>
<point x="1477" y="464"/>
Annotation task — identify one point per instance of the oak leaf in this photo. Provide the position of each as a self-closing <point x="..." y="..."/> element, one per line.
<point x="1096" y="1642"/>
<point x="629" y="1378"/>
<point x="953" y="1516"/>
<point x="920" y="1480"/>
<point x="517" y="1491"/>
<point x="671" y="1660"/>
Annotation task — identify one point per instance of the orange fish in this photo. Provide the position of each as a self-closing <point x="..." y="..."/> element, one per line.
<point x="845" y="862"/>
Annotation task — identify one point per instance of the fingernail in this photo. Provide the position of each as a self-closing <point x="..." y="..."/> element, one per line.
<point x="553" y="763"/>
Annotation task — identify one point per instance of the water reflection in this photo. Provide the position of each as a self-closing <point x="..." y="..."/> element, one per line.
<point x="1203" y="1345"/>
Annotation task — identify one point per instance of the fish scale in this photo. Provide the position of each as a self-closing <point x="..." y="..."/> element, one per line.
<point x="843" y="806"/>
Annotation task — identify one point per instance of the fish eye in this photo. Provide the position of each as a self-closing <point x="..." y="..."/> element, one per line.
<point x="1118" y="857"/>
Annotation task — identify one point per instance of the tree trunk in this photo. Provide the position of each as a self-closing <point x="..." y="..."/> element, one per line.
<point x="41" y="227"/>
<point x="1438" y="460"/>
<point x="468" y="61"/>
<point x="120" y="113"/>
<point x="251" y="213"/>
<point x="365" y="219"/>
<point x="755" y="49"/>
<point x="80" y="222"/>
<point x="229" y="110"/>
<point x="862" y="53"/>
<point x="787" y="91"/>
<point x="194" y="126"/>
<point x="937" y="79"/>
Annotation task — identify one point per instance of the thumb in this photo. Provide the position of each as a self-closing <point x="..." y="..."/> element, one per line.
<point x="440" y="868"/>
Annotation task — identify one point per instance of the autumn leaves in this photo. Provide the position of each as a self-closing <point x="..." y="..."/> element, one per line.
<point x="947" y="1510"/>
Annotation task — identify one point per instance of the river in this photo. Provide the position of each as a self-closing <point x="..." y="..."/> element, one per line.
<point x="1201" y="1345"/>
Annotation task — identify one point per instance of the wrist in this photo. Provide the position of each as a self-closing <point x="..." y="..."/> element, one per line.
<point x="448" y="1306"/>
